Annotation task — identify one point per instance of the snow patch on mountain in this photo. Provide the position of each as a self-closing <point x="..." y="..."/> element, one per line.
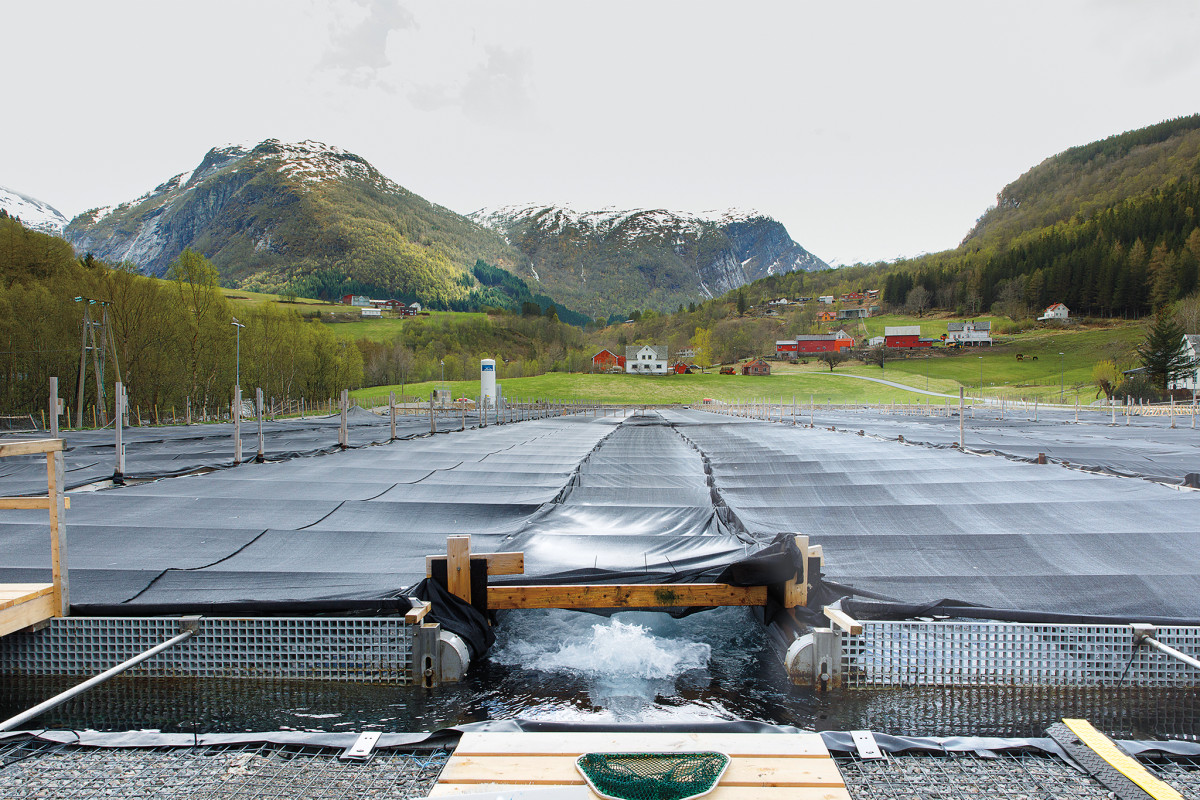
<point x="555" y="219"/>
<point x="34" y="213"/>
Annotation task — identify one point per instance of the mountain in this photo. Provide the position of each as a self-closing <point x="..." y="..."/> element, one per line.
<point x="601" y="261"/>
<point x="1084" y="180"/>
<point x="308" y="217"/>
<point x="33" y="213"/>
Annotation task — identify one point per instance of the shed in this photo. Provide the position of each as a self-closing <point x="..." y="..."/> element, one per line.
<point x="756" y="366"/>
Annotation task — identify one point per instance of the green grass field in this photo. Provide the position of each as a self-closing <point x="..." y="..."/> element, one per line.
<point x="385" y="329"/>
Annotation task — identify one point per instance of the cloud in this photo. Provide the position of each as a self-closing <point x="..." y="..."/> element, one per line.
<point x="362" y="48"/>
<point x="496" y="90"/>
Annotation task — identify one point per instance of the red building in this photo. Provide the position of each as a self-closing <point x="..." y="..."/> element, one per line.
<point x="606" y="359"/>
<point x="904" y="336"/>
<point x="819" y="343"/>
<point x="756" y="367"/>
<point x="680" y="368"/>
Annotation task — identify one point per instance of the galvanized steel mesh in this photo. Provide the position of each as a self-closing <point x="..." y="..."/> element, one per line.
<point x="897" y="654"/>
<point x="367" y="649"/>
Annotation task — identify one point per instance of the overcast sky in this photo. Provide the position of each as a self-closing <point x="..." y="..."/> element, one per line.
<point x="871" y="130"/>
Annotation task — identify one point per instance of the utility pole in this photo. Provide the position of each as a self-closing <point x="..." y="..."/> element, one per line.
<point x="237" y="379"/>
<point x="1061" y="383"/>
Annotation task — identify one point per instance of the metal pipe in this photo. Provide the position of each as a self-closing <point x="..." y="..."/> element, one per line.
<point x="58" y="699"/>
<point x="1159" y="646"/>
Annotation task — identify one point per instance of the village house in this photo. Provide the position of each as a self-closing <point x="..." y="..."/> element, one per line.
<point x="826" y="316"/>
<point x="970" y="333"/>
<point x="782" y="301"/>
<point x="646" y="359"/>
<point x="756" y="366"/>
<point x="1191" y="345"/>
<point x="360" y="300"/>
<point x="827" y="299"/>
<point x="606" y="360"/>
<point x="1055" y="312"/>
<point x="853" y="313"/>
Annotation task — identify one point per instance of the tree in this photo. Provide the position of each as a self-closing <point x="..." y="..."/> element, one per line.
<point x="1106" y="375"/>
<point x="832" y="358"/>
<point x="917" y="300"/>
<point x="1164" y="353"/>
<point x="702" y="345"/>
<point x="741" y="302"/>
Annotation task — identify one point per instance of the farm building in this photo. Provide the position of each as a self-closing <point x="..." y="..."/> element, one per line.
<point x="904" y="336"/>
<point x="1057" y="311"/>
<point x="646" y="359"/>
<point x="813" y="343"/>
<point x="371" y="311"/>
<point x="826" y="316"/>
<point x="360" y="300"/>
<point x="680" y="368"/>
<point x="853" y="313"/>
<point x="606" y="360"/>
<point x="970" y="333"/>
<point x="756" y="366"/>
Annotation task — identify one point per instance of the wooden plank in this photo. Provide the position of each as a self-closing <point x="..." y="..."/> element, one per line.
<point x="843" y="620"/>
<point x="417" y="612"/>
<point x="458" y="566"/>
<point x="23" y="503"/>
<point x="781" y="745"/>
<point x="720" y="793"/>
<point x="30" y="446"/>
<point x="561" y="771"/>
<point x="497" y="563"/>
<point x="639" y="595"/>
<point x="12" y="594"/>
<point x="28" y="613"/>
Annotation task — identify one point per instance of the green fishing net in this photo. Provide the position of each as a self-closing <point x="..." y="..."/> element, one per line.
<point x="652" y="776"/>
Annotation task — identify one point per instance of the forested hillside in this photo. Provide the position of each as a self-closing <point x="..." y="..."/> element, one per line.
<point x="172" y="340"/>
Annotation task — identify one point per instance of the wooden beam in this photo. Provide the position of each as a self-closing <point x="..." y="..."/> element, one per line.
<point x="561" y="771"/>
<point x="458" y="565"/>
<point x="21" y="503"/>
<point x="30" y="446"/>
<point x="843" y="620"/>
<point x="638" y="595"/>
<point x="497" y="563"/>
<point x="418" y="611"/>
<point x="12" y="594"/>
<point x="795" y="591"/>
<point x="39" y="609"/>
<point x="58" y="530"/>
<point x="574" y="743"/>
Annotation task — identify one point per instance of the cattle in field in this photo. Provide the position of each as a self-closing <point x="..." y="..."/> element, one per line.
<point x="1020" y="357"/>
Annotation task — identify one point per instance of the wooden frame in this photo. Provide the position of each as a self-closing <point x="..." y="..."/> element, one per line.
<point x="25" y="604"/>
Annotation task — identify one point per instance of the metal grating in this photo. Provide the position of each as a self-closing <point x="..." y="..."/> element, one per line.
<point x="923" y="776"/>
<point x="376" y="650"/>
<point x="896" y="654"/>
<point x="1183" y="773"/>
<point x="30" y="768"/>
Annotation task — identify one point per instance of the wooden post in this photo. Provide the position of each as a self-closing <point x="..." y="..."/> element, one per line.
<point x="58" y="532"/>
<point x="119" y="401"/>
<point x="55" y="408"/>
<point x="795" y="591"/>
<point x="258" y="408"/>
<point x="343" y="433"/>
<point x="962" y="441"/>
<point x="392" y="413"/>
<point x="458" y="566"/>
<point x="237" y="425"/>
<point x="432" y="420"/>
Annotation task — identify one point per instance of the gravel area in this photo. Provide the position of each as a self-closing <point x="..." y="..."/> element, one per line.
<point x="34" y="769"/>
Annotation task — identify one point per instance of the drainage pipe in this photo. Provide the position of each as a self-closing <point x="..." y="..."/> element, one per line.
<point x="190" y="627"/>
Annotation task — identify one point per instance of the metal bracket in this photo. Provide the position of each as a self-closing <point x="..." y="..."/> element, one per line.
<point x="363" y="747"/>
<point x="864" y="742"/>
<point x="190" y="623"/>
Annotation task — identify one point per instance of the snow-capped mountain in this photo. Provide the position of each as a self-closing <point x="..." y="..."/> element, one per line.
<point x="272" y="215"/>
<point x="34" y="214"/>
<point x="648" y="257"/>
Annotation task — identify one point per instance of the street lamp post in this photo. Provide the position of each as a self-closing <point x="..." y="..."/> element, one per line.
<point x="237" y="380"/>
<point x="980" y="378"/>
<point x="1061" y="384"/>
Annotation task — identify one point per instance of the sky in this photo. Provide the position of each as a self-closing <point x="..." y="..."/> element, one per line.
<point x="871" y="130"/>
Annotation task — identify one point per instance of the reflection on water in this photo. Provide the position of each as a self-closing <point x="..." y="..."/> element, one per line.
<point x="632" y="667"/>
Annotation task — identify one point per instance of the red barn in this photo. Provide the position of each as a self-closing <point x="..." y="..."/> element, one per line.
<point x="606" y="360"/>
<point x="819" y="343"/>
<point x="904" y="336"/>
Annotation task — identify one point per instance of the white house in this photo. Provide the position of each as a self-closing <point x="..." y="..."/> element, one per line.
<point x="782" y="301"/>
<point x="372" y="312"/>
<point x="646" y="359"/>
<point x="827" y="299"/>
<point x="970" y="333"/>
<point x="875" y="341"/>
<point x="1191" y="348"/>
<point x="1056" y="311"/>
<point x="416" y="308"/>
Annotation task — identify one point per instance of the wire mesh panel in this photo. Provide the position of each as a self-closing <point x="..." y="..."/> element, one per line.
<point x="319" y="648"/>
<point x="30" y="768"/>
<point x="996" y="653"/>
<point x="1035" y="776"/>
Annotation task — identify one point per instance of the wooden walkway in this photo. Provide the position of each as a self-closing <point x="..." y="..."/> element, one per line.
<point x="767" y="766"/>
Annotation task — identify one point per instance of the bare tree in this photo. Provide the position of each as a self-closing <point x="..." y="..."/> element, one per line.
<point x="918" y="300"/>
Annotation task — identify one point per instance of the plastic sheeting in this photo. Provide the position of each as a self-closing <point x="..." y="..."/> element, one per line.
<point x="910" y="524"/>
<point x="158" y="452"/>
